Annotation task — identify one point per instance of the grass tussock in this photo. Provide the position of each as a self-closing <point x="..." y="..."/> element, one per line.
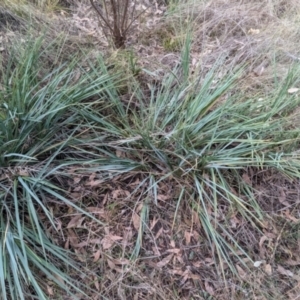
<point x="123" y="182"/>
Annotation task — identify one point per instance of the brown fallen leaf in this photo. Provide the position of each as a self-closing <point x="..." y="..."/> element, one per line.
<point x="113" y="266"/>
<point x="262" y="250"/>
<point x="208" y="288"/>
<point x="82" y="244"/>
<point x="187" y="236"/>
<point x="185" y="276"/>
<point x="292" y="262"/>
<point x="175" y="250"/>
<point x="97" y="255"/>
<point x="95" y="210"/>
<point x="115" y="237"/>
<point x="153" y="222"/>
<point x="268" y="269"/>
<point x="72" y="237"/>
<point x="136" y="221"/>
<point x="156" y="251"/>
<point x="108" y="241"/>
<point x="96" y="283"/>
<point x="172" y="243"/>
<point x="119" y="153"/>
<point x="164" y="261"/>
<point x="95" y="183"/>
<point x="282" y="195"/>
<point x="120" y="193"/>
<point x="76" y="221"/>
<point x="161" y="197"/>
<point x="247" y="179"/>
<point x="241" y="271"/>
<point x="159" y="232"/>
<point x="197" y="264"/>
<point x="176" y="271"/>
<point x="291" y="217"/>
<point x="77" y="179"/>
<point x="50" y="290"/>
<point x="281" y="270"/>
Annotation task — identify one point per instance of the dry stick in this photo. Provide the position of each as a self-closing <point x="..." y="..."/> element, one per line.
<point x="120" y="27"/>
<point x="292" y="56"/>
<point x="125" y="14"/>
<point x="118" y="36"/>
<point x="106" y="11"/>
<point x="100" y="14"/>
<point x="119" y="14"/>
<point x="113" y="6"/>
<point x="130" y="24"/>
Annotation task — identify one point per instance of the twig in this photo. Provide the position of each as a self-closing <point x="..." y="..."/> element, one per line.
<point x="122" y="19"/>
<point x="292" y="56"/>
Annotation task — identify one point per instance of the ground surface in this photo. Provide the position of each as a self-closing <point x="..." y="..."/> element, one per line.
<point x="176" y="260"/>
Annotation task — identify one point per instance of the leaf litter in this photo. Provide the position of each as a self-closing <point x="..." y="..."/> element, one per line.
<point x="175" y="255"/>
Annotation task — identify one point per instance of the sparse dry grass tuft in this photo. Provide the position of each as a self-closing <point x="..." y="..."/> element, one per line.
<point x="263" y="35"/>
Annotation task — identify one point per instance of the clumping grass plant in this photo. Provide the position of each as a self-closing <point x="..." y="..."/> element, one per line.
<point x="197" y="135"/>
<point x="204" y="136"/>
<point x="39" y="121"/>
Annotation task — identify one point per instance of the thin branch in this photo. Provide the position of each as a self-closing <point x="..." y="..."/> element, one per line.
<point x="97" y="9"/>
<point x="123" y="19"/>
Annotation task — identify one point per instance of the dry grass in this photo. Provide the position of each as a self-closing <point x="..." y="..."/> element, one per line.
<point x="263" y="35"/>
<point x="175" y="260"/>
